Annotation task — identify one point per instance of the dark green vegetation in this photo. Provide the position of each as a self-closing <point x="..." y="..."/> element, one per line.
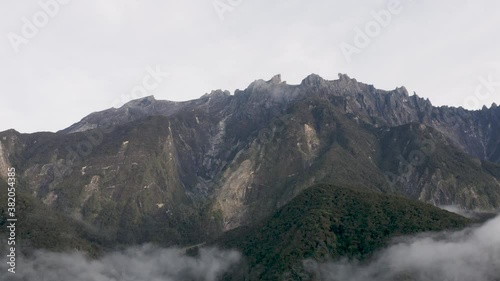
<point x="40" y="227"/>
<point x="328" y="222"/>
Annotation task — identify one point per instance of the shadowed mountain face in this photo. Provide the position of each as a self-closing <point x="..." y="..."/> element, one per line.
<point x="183" y="172"/>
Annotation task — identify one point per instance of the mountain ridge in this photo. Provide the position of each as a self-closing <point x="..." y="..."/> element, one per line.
<point x="198" y="168"/>
<point x="393" y="107"/>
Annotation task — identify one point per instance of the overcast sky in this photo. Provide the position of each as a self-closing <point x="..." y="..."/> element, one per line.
<point x="86" y="56"/>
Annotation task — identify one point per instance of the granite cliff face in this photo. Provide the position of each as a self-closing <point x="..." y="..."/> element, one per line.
<point x="194" y="169"/>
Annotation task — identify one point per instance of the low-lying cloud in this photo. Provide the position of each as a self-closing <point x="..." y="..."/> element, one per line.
<point x="472" y="254"/>
<point x="145" y="263"/>
<point x="458" y="210"/>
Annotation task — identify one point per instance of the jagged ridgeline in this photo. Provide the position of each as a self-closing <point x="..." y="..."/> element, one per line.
<point x="185" y="172"/>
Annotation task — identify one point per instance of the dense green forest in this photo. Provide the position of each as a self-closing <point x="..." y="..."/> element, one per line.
<point x="327" y="222"/>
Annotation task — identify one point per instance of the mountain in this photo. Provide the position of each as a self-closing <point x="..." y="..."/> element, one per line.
<point x="185" y="172"/>
<point x="476" y="132"/>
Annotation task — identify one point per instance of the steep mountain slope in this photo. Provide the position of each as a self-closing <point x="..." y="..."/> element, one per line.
<point x="182" y="173"/>
<point x="39" y="226"/>
<point x="476" y="132"/>
<point x="424" y="165"/>
<point x="327" y="222"/>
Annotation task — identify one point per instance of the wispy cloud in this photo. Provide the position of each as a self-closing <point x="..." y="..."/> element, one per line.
<point x="136" y="263"/>
<point x="472" y="254"/>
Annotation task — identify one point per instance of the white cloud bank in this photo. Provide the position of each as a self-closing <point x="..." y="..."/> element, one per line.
<point x="469" y="255"/>
<point x="145" y="263"/>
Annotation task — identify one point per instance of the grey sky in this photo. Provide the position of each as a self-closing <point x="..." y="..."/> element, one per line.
<point x="92" y="53"/>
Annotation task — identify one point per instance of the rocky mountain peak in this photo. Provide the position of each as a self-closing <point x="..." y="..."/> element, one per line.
<point x="217" y="93"/>
<point x="276" y="79"/>
<point x="345" y="77"/>
<point x="141" y="102"/>
<point x="313" y="80"/>
<point x="402" y="90"/>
